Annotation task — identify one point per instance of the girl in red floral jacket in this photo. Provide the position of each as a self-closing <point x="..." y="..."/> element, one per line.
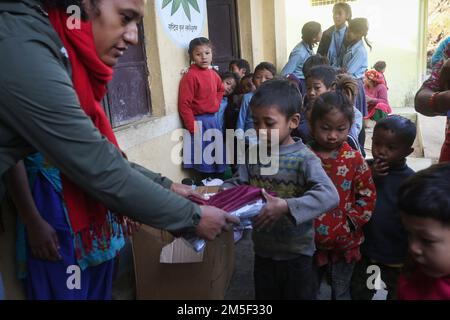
<point x="339" y="232"/>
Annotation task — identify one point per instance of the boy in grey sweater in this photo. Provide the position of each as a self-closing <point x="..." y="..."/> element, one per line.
<point x="283" y="233"/>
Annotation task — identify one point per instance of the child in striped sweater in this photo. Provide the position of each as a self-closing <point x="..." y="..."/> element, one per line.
<point x="283" y="234"/>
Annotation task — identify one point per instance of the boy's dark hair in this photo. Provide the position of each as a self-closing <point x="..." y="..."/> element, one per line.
<point x="241" y="64"/>
<point x="197" y="42"/>
<point x="266" y="66"/>
<point x="427" y="194"/>
<point x="326" y="74"/>
<point x="360" y="25"/>
<point x="379" y="65"/>
<point x="402" y="127"/>
<point x="314" y="60"/>
<point x="310" y="30"/>
<point x="346" y="7"/>
<point x="228" y="74"/>
<point x="280" y="93"/>
<point x="329" y="101"/>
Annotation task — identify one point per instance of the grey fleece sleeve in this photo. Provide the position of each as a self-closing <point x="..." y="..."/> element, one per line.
<point x="321" y="196"/>
<point x="39" y="103"/>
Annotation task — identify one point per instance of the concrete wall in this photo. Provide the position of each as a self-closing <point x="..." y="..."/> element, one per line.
<point x="149" y="142"/>
<point x="262" y="31"/>
<point x="396" y="32"/>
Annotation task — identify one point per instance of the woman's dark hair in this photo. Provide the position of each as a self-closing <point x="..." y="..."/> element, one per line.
<point x="197" y="42"/>
<point x="379" y="65"/>
<point x="280" y="93"/>
<point x="360" y="26"/>
<point x="330" y="101"/>
<point x="309" y="31"/>
<point x="314" y="60"/>
<point x="346" y="7"/>
<point x="427" y="194"/>
<point x="64" y="4"/>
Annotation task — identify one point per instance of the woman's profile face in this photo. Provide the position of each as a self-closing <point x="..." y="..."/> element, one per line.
<point x="115" y="26"/>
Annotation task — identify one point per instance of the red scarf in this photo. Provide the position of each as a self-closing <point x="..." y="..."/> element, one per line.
<point x="90" y="77"/>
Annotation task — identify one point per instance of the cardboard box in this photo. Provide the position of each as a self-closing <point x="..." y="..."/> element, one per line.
<point x="184" y="274"/>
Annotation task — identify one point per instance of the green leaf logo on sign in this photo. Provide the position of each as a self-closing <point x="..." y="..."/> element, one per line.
<point x="186" y="4"/>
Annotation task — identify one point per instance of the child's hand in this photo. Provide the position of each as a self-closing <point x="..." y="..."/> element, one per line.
<point x="274" y="209"/>
<point x="43" y="240"/>
<point x="379" y="168"/>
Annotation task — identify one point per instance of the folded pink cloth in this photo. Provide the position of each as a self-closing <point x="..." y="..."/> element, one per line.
<point x="234" y="198"/>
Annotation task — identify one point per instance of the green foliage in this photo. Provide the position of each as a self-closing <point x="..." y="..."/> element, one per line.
<point x="438" y="22"/>
<point x="185" y="4"/>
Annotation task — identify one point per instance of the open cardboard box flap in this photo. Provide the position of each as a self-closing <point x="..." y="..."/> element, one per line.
<point x="203" y="278"/>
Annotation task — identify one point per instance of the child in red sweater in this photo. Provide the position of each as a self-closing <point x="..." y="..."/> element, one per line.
<point x="339" y="232"/>
<point x="424" y="201"/>
<point x="200" y="94"/>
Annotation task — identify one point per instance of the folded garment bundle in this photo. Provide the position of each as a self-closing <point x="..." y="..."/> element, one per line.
<point x="244" y="202"/>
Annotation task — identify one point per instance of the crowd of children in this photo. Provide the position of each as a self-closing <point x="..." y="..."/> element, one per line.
<point x="336" y="214"/>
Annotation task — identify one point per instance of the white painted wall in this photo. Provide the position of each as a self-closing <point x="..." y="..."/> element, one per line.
<point x="394" y="32"/>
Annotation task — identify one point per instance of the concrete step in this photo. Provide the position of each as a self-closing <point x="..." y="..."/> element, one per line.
<point x="418" y="164"/>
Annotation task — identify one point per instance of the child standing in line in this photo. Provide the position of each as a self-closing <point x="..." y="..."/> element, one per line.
<point x="229" y="81"/>
<point x="240" y="67"/>
<point x="311" y="35"/>
<point x="303" y="129"/>
<point x="263" y="72"/>
<point x="339" y="232"/>
<point x="283" y="234"/>
<point x="333" y="38"/>
<point x="246" y="84"/>
<point x="200" y="94"/>
<point x="424" y="202"/>
<point x="322" y="79"/>
<point x="353" y="57"/>
<point x="386" y="241"/>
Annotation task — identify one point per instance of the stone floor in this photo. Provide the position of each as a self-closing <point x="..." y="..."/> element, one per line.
<point x="241" y="286"/>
